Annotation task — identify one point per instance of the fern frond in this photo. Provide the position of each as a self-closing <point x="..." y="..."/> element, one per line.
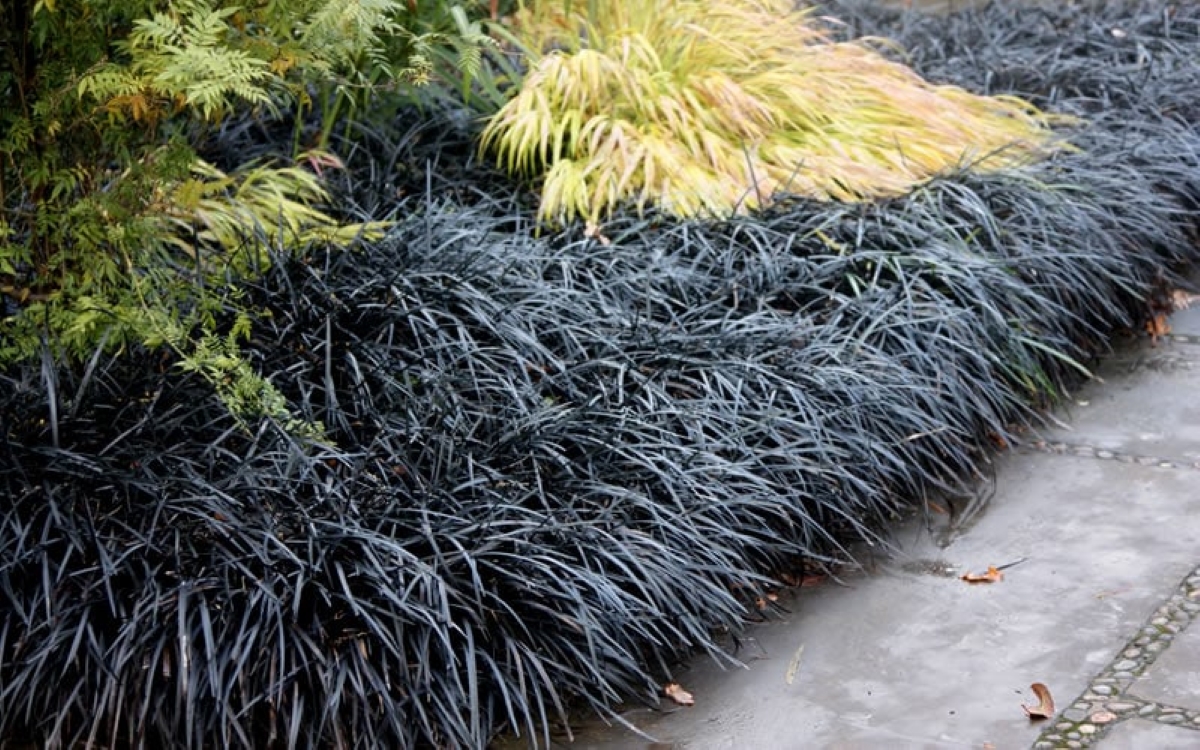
<point x="340" y="30"/>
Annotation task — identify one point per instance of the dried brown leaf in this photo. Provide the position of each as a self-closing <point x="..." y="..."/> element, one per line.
<point x="1158" y="327"/>
<point x="675" y="692"/>
<point x="592" y="231"/>
<point x="1045" y="707"/>
<point x="794" y="665"/>
<point x="766" y="600"/>
<point x="1181" y="300"/>
<point x="992" y="575"/>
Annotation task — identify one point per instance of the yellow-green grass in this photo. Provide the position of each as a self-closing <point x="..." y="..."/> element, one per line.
<point x="703" y="108"/>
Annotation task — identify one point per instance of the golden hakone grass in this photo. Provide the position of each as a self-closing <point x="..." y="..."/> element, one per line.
<point x="705" y="108"/>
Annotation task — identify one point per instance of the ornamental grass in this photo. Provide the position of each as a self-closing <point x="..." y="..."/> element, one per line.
<point x="704" y="109"/>
<point x="557" y="465"/>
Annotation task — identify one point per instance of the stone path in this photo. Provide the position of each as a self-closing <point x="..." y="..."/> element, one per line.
<point x="1149" y="696"/>
<point x="1105" y="510"/>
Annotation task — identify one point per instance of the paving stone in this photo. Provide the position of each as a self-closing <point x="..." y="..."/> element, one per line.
<point x="1173" y="678"/>
<point x="1139" y="734"/>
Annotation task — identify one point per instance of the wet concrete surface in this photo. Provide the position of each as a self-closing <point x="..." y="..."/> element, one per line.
<point x="1174" y="678"/>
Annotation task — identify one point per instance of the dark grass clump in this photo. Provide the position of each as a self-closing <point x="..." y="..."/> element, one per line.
<point x="555" y="465"/>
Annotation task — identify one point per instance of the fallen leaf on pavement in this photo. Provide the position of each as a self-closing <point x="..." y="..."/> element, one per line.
<point x="1045" y="707"/>
<point x="675" y="692"/>
<point x="794" y="665"/>
<point x="992" y="575"/>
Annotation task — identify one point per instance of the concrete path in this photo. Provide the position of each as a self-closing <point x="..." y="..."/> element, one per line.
<point x="1105" y="514"/>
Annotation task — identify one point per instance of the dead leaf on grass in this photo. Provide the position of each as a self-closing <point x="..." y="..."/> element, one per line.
<point x="1045" y="707"/>
<point x="1158" y="327"/>
<point x="675" y="692"/>
<point x="765" y="601"/>
<point x="992" y="575"/>
<point x="592" y="231"/>
<point x="1182" y="300"/>
<point x="805" y="580"/>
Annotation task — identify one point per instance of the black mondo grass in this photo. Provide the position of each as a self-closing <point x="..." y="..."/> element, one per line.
<point x="556" y="466"/>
